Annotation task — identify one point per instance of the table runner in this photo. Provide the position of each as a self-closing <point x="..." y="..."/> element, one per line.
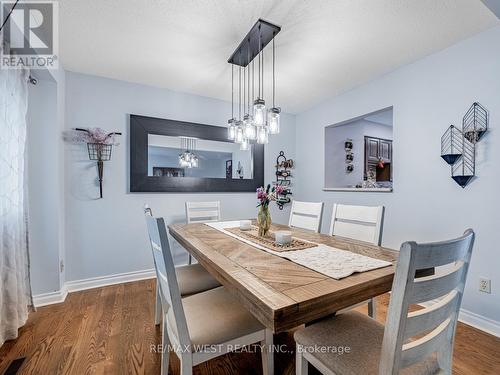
<point x="268" y="242"/>
<point x="327" y="260"/>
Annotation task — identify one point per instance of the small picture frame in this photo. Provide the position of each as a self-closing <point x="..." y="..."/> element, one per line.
<point x="229" y="169"/>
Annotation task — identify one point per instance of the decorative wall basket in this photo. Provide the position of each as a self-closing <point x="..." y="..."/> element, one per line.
<point x="458" y="147"/>
<point x="99" y="146"/>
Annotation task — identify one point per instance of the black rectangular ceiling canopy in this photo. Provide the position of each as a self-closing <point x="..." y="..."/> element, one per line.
<point x="255" y="41"/>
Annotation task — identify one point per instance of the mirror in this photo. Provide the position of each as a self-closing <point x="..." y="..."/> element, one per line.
<point x="178" y="156"/>
<point x="358" y="152"/>
<point x="193" y="157"/>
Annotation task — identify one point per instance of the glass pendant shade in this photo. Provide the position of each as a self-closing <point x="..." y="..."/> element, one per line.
<point x="194" y="161"/>
<point x="250" y="131"/>
<point x="239" y="132"/>
<point x="231" y="130"/>
<point x="273" y="120"/>
<point x="245" y="145"/>
<point x="259" y="108"/>
<point x="262" y="135"/>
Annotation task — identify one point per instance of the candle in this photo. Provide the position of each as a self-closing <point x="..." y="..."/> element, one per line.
<point x="283" y="237"/>
<point x="245" y="224"/>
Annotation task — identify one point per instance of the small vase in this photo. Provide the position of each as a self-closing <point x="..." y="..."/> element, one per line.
<point x="263" y="221"/>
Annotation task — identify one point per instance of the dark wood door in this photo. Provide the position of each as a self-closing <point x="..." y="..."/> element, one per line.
<point x="385" y="150"/>
<point x="371" y="149"/>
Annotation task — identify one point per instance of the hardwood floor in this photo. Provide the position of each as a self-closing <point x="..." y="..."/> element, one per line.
<point x="110" y="331"/>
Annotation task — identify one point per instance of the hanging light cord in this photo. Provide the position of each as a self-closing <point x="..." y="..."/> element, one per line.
<point x="232" y="90"/>
<point x="248" y="66"/>
<point x="253" y="79"/>
<point x="274" y="77"/>
<point x="260" y="45"/>
<point x="263" y="66"/>
<point x="239" y="96"/>
<point x="244" y="90"/>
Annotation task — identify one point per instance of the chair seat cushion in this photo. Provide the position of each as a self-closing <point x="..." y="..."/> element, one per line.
<point x="362" y="335"/>
<point x="194" y="279"/>
<point x="215" y="317"/>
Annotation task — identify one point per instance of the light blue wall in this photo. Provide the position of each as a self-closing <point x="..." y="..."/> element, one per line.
<point x="426" y="204"/>
<point x="108" y="236"/>
<point x="44" y="187"/>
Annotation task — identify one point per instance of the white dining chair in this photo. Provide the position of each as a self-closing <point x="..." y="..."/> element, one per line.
<point x="192" y="279"/>
<point x="363" y="223"/>
<point x="205" y="325"/>
<point x="415" y="343"/>
<point x="306" y="215"/>
<point x="202" y="212"/>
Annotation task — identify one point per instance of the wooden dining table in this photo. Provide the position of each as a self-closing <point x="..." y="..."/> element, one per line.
<point x="282" y="294"/>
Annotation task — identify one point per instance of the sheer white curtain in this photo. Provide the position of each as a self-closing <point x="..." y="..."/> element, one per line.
<point x="15" y="291"/>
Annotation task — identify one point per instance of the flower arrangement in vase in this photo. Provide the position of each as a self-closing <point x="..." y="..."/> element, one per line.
<point x="265" y="196"/>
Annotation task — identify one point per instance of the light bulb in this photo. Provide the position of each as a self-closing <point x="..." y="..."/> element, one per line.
<point x="244" y="146"/>
<point x="259" y="107"/>
<point x="273" y="120"/>
<point x="194" y="161"/>
<point x="250" y="131"/>
<point x="239" y="132"/>
<point x="262" y="135"/>
<point x="231" y="130"/>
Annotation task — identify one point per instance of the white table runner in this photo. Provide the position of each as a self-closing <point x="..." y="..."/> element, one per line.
<point x="327" y="260"/>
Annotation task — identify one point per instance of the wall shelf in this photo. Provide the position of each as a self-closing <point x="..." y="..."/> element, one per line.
<point x="361" y="190"/>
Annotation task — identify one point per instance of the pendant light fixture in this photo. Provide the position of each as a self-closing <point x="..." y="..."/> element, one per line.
<point x="188" y="158"/>
<point x="231" y="129"/>
<point x="239" y="124"/>
<point x="258" y="126"/>
<point x="259" y="105"/>
<point x="273" y="117"/>
<point x="248" y="121"/>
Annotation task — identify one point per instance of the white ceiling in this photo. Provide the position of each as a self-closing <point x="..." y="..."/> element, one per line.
<point x="325" y="47"/>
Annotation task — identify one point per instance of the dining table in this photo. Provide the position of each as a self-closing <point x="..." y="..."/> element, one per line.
<point x="280" y="293"/>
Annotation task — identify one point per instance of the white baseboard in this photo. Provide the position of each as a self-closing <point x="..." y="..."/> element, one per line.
<point x="98" y="282"/>
<point x="94" y="282"/>
<point x="45" y="299"/>
<point x="480" y="322"/>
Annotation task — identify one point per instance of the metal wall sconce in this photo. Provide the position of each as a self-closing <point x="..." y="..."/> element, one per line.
<point x="458" y="147"/>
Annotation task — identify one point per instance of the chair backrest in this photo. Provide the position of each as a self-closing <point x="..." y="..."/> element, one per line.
<point x="306" y="215"/>
<point x="165" y="272"/>
<point x="363" y="223"/>
<point x="434" y="325"/>
<point x="202" y="212"/>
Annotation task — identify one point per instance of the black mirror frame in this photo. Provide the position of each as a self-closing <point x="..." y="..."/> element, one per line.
<point x="140" y="182"/>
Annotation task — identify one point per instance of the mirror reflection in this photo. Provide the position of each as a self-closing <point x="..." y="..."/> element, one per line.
<point x="170" y="156"/>
<point x="358" y="153"/>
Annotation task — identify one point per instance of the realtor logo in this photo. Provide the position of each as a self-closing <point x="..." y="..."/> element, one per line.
<point x="29" y="34"/>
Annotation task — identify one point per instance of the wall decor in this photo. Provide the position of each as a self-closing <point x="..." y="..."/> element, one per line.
<point x="349" y="156"/>
<point x="99" y="145"/>
<point x="155" y="142"/>
<point x="458" y="147"/>
<point x="283" y="174"/>
<point x="229" y="168"/>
